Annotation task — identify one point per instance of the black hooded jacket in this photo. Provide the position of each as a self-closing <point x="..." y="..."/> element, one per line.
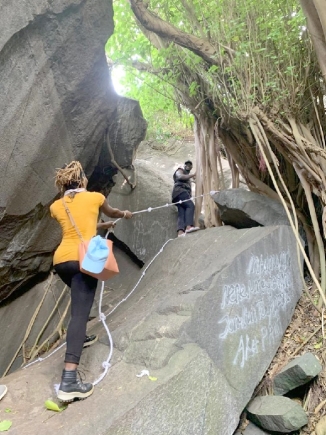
<point x="180" y="185"/>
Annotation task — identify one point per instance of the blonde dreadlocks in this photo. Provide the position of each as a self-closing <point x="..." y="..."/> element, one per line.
<point x="70" y="176"/>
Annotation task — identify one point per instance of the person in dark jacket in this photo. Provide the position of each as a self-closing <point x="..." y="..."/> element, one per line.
<point x="181" y="192"/>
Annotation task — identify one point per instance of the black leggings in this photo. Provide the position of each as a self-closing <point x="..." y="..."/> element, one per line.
<point x="82" y="293"/>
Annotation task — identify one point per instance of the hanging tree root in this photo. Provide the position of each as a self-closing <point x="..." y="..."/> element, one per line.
<point x="262" y="139"/>
<point x="132" y="186"/>
<point x="33" y="352"/>
<point x="58" y="330"/>
<point x="36" y="349"/>
<point x="30" y="325"/>
<point x="314" y="220"/>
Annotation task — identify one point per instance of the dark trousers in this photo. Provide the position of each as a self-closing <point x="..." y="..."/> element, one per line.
<point x="185" y="211"/>
<point x="82" y="293"/>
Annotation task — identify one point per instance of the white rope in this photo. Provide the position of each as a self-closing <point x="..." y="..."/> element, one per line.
<point x="39" y="359"/>
<point x="106" y="364"/>
<point x="150" y="209"/>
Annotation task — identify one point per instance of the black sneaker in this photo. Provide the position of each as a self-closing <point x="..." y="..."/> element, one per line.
<point x="72" y="388"/>
<point x="89" y="340"/>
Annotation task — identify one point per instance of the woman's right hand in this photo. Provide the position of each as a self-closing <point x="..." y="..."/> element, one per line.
<point x="114" y="212"/>
<point x="127" y="214"/>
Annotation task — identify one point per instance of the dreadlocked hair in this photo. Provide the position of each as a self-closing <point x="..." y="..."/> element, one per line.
<point x="71" y="176"/>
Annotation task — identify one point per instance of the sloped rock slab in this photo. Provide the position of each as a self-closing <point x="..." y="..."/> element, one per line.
<point x="277" y="414"/>
<point x="244" y="209"/>
<point x="298" y="372"/>
<point x="205" y="321"/>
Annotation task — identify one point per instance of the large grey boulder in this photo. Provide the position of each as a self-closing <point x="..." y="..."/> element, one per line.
<point x="296" y="373"/>
<point x="245" y="209"/>
<point x="56" y="104"/>
<point x="146" y="232"/>
<point x="205" y="321"/>
<point x="277" y="414"/>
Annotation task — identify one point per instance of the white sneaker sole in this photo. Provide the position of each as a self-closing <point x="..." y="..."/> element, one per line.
<point x="69" y="397"/>
<point x="3" y="391"/>
<point x="191" y="230"/>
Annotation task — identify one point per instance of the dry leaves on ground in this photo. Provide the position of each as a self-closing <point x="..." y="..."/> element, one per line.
<point x="304" y="334"/>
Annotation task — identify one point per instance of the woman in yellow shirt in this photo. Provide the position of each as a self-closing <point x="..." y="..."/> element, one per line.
<point x="84" y="207"/>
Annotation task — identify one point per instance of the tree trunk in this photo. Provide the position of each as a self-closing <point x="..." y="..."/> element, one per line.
<point x="315" y="11"/>
<point x="207" y="176"/>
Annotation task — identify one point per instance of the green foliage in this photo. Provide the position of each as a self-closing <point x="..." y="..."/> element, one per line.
<point x="52" y="406"/>
<point x="5" y="425"/>
<point x="155" y="88"/>
<point x="263" y="59"/>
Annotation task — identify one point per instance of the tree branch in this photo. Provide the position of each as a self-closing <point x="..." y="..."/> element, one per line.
<point x="132" y="186"/>
<point x="153" y="23"/>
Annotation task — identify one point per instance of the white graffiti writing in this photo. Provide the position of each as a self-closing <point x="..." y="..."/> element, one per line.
<point x="252" y="309"/>
<point x="251" y="346"/>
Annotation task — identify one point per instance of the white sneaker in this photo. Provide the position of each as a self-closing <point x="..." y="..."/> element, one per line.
<point x="192" y="229"/>
<point x="3" y="391"/>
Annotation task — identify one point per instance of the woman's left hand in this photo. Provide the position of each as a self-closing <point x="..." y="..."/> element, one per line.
<point x="105" y="225"/>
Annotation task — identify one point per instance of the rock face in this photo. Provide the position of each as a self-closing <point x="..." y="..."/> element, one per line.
<point x="244" y="209"/>
<point x="298" y="372"/>
<point x="148" y="231"/>
<point x="56" y="103"/>
<point x="205" y="321"/>
<point x="277" y="414"/>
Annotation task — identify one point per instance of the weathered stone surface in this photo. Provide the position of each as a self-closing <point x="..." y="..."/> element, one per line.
<point x="244" y="209"/>
<point x="56" y="103"/>
<point x="252" y="429"/>
<point x="298" y="372"/>
<point x="277" y="414"/>
<point x="206" y="321"/>
<point x="146" y="232"/>
<point x="129" y="129"/>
